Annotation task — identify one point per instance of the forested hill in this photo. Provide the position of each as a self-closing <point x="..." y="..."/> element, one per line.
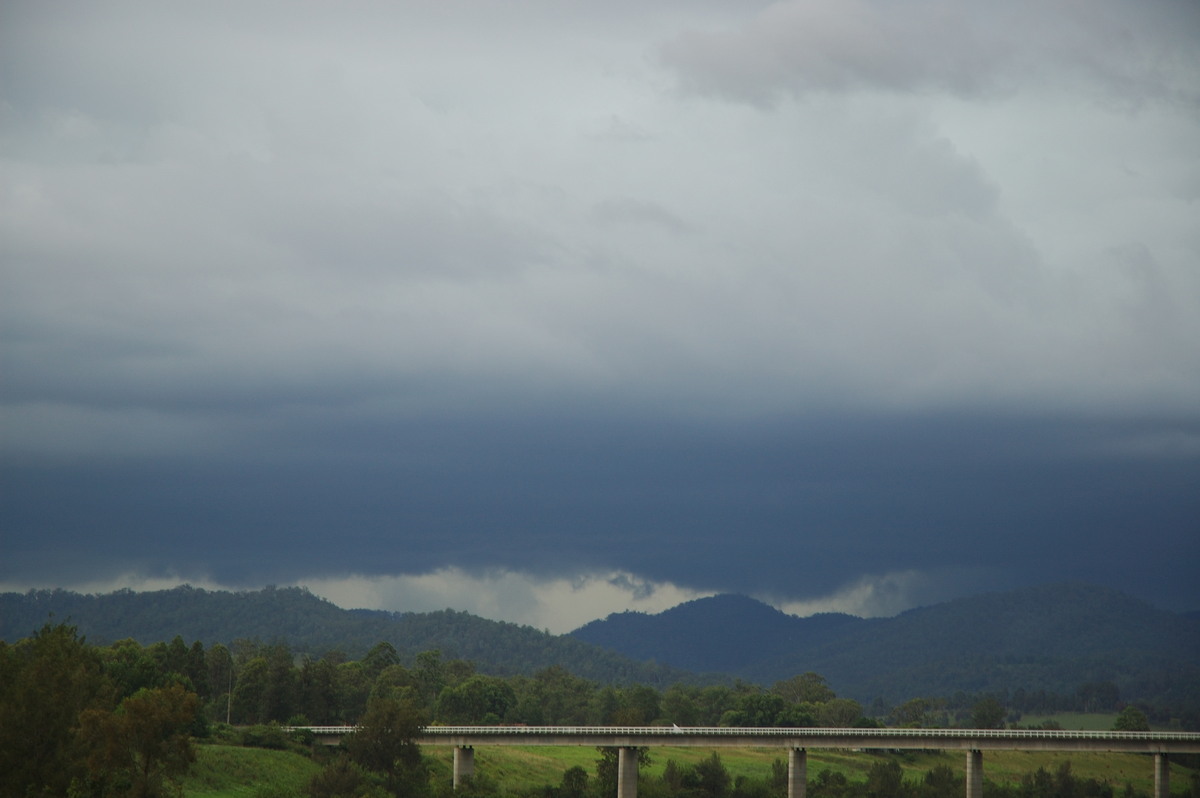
<point x="312" y="625"/>
<point x="725" y="633"/>
<point x="1053" y="638"/>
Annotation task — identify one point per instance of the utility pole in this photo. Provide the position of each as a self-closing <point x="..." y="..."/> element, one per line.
<point x="229" y="695"/>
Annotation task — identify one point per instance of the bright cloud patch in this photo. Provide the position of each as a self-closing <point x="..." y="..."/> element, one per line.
<point x="870" y="597"/>
<point x="559" y="605"/>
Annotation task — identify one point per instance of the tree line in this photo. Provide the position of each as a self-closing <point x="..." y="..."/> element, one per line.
<point x="249" y="682"/>
<point x="73" y="724"/>
<point x="96" y="721"/>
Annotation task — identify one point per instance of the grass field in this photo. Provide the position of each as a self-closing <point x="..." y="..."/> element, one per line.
<point x="223" y="771"/>
<point x="226" y="771"/>
<point x="1073" y="720"/>
<point x="516" y="768"/>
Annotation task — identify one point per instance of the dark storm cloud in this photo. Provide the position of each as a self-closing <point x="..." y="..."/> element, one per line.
<point x="294" y="293"/>
<point x="782" y="509"/>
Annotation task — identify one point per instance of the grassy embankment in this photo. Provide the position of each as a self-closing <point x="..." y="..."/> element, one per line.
<point x="228" y="771"/>
<point x="514" y="769"/>
<point x="223" y="771"/>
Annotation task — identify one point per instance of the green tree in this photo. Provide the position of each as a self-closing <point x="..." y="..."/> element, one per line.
<point x="318" y="698"/>
<point x="756" y="709"/>
<point x="1039" y="784"/>
<point x="354" y="686"/>
<point x="46" y="683"/>
<point x="384" y="743"/>
<point x="679" y="705"/>
<point x="479" y="699"/>
<point x="219" y="661"/>
<point x="1131" y="719"/>
<point x="712" y="779"/>
<point x="172" y="657"/>
<point x="941" y="782"/>
<point x="1065" y="783"/>
<point x="829" y="784"/>
<point x="807" y="687"/>
<point x="885" y="780"/>
<point x="839" y="713"/>
<point x="196" y="670"/>
<point x="381" y="655"/>
<point x="603" y="706"/>
<point x="574" y="783"/>
<point x="673" y="775"/>
<point x="142" y="747"/>
<point x="132" y="667"/>
<point x="916" y="713"/>
<point x="250" y="690"/>
<point x="342" y="778"/>
<point x="713" y="702"/>
<point x="639" y="705"/>
<point x="430" y="673"/>
<point x="555" y="696"/>
<point x="987" y="713"/>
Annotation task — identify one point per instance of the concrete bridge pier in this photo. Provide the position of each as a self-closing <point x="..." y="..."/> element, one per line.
<point x="974" y="774"/>
<point x="1162" y="776"/>
<point x="464" y="763"/>
<point x="627" y="772"/>
<point x="797" y="784"/>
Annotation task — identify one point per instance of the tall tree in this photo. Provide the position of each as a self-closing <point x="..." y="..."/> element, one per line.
<point x="808" y="687"/>
<point x="279" y="697"/>
<point x="885" y="780"/>
<point x="381" y="655"/>
<point x="839" y="712"/>
<point x="712" y="779"/>
<point x="46" y="683"/>
<point x="220" y="678"/>
<point x="574" y="783"/>
<point x="131" y="666"/>
<point x="480" y="699"/>
<point x="249" y="691"/>
<point x="941" y="782"/>
<point x="1131" y="719"/>
<point x="987" y="713"/>
<point x="384" y="742"/>
<point x="142" y="747"/>
<point x="318" y="691"/>
<point x="196" y="669"/>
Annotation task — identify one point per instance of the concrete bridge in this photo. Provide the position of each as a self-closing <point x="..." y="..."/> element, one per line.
<point x="627" y="739"/>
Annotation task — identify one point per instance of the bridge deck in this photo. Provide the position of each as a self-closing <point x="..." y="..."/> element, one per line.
<point x="721" y="736"/>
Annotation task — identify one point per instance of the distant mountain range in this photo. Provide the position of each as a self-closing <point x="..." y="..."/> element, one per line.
<point x="1051" y="638"/>
<point x="312" y="625"/>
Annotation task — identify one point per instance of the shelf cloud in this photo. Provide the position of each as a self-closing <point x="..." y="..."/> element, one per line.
<point x="849" y="305"/>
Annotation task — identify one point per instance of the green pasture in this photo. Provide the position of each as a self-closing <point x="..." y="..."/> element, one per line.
<point x="223" y="771"/>
<point x="1081" y="721"/>
<point x="516" y="768"/>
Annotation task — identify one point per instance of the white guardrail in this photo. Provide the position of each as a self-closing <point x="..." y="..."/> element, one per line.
<point x="778" y="732"/>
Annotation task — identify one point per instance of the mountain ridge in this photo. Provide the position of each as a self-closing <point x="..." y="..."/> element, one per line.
<point x="313" y="625"/>
<point x="1050" y="638"/>
<point x="1033" y="638"/>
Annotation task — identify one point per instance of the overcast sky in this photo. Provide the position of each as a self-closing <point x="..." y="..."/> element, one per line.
<point x="544" y="310"/>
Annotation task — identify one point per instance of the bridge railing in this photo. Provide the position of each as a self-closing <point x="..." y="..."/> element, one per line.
<point x="779" y="732"/>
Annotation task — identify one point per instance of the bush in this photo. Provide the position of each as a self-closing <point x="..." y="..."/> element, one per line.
<point x="270" y="736"/>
